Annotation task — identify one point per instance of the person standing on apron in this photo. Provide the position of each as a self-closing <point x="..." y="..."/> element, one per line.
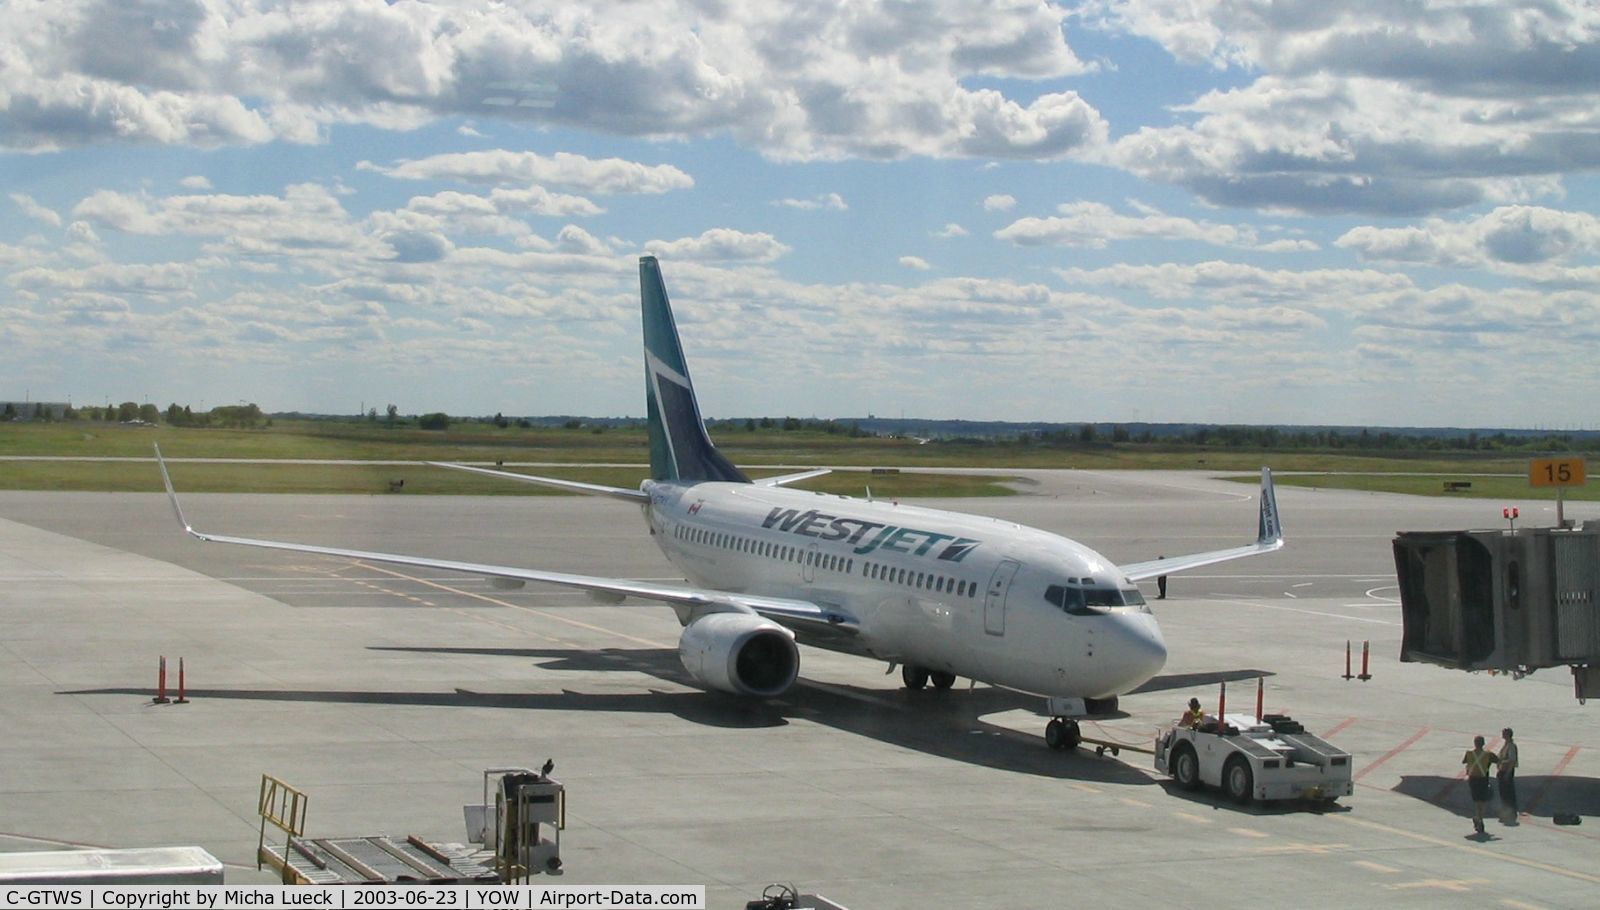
<point x="1507" y="774"/>
<point x="1478" y="762"/>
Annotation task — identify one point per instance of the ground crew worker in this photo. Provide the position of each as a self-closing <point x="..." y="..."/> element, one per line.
<point x="1478" y="761"/>
<point x="1192" y="717"/>
<point x="1507" y="774"/>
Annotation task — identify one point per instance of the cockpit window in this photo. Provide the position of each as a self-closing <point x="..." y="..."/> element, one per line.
<point x="1089" y="601"/>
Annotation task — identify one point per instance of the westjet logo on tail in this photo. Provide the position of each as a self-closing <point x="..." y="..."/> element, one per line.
<point x="823" y="526"/>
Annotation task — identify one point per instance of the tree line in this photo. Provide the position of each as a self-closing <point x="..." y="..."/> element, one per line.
<point x="243" y="416"/>
<point x="1268" y="438"/>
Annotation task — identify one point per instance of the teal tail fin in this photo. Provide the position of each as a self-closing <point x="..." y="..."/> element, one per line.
<point x="679" y="446"/>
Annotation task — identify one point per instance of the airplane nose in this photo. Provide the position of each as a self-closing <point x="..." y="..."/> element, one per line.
<point x="1138" y="651"/>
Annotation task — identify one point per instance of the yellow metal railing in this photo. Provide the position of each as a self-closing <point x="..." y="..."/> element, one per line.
<point x="285" y="808"/>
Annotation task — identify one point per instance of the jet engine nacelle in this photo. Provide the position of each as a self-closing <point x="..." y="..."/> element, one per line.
<point x="740" y="653"/>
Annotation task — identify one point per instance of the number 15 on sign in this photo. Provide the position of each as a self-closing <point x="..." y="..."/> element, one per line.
<point x="1556" y="472"/>
<point x="1559" y="473"/>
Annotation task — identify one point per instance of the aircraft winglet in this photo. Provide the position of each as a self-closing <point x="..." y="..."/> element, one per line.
<point x="173" y="494"/>
<point x="1269" y="537"/>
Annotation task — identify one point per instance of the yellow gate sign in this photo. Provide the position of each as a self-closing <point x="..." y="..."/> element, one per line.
<point x="1556" y="472"/>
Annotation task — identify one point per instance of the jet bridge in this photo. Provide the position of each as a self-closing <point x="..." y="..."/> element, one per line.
<point x="1513" y="601"/>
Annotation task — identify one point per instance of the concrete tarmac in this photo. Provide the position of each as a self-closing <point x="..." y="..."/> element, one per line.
<point x="385" y="692"/>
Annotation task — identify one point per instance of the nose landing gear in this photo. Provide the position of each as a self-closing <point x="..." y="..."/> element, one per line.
<point x="1062" y="734"/>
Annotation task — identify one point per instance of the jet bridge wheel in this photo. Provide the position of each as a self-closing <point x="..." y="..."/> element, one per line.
<point x="914" y="677"/>
<point x="942" y="680"/>
<point x="1062" y="734"/>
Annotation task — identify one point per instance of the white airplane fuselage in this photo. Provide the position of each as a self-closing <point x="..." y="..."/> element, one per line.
<point x="946" y="591"/>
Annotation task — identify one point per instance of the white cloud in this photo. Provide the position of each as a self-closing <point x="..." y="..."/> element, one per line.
<point x="417" y="246"/>
<point x="17" y="255"/>
<point x="36" y="211"/>
<point x="574" y="239"/>
<point x="83" y="232"/>
<point x="999" y="202"/>
<point x="915" y="262"/>
<point x="1289" y="246"/>
<point x="1489" y="47"/>
<point x="721" y="244"/>
<point x="1326" y="144"/>
<point x="1369" y="106"/>
<point x="495" y="212"/>
<point x="1095" y="225"/>
<point x="950" y="231"/>
<point x="830" y="201"/>
<point x="196" y="182"/>
<point x="1339" y="289"/>
<point x="305" y="221"/>
<point x="1509" y="236"/>
<point x="503" y="168"/>
<point x="796" y="81"/>
<point x="118" y="278"/>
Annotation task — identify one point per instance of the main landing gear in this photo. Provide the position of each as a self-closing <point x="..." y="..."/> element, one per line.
<point x="916" y="678"/>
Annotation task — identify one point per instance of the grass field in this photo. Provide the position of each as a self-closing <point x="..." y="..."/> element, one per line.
<point x="1491" y="474"/>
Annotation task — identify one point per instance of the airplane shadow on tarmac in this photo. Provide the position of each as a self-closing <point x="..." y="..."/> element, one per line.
<point x="1541" y="796"/>
<point x="948" y="724"/>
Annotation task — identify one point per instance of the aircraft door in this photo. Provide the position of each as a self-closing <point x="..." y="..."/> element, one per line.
<point x="994" y="602"/>
<point x="808" y="564"/>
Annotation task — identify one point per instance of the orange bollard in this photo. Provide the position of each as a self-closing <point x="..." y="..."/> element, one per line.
<point x="1222" y="702"/>
<point x="161" y="683"/>
<point x="181" y="700"/>
<point x="1366" y="647"/>
<point x="1347" y="660"/>
<point x="1261" y="691"/>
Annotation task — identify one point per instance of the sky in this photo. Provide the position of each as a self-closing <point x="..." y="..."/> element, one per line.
<point x="1231" y="211"/>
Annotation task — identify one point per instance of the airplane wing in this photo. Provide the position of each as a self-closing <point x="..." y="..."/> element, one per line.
<point x="1269" y="537"/>
<point x="575" y="486"/>
<point x="689" y="602"/>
